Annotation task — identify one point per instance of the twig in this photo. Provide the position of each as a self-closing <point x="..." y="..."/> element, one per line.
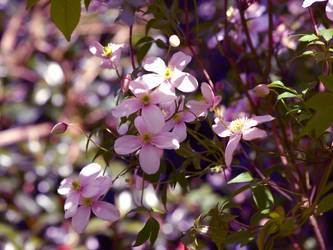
<point x="318" y="234"/>
<point x="131" y="46"/>
<point x="270" y="38"/>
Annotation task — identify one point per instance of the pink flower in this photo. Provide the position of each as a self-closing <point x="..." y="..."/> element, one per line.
<point x="110" y="54"/>
<point x="211" y="101"/>
<point x="328" y="10"/>
<point x="74" y="188"/>
<point x="102" y="209"/>
<point x="147" y="101"/>
<point x="173" y="73"/>
<point x="241" y="128"/>
<point x="151" y="144"/>
<point x="177" y="118"/>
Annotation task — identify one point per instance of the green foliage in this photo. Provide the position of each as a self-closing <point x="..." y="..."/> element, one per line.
<point x="66" y="15"/>
<point x="148" y="232"/>
<point x="243" y="177"/>
<point x="327" y="34"/>
<point x="325" y="204"/>
<point x="87" y="3"/>
<point x="31" y="3"/>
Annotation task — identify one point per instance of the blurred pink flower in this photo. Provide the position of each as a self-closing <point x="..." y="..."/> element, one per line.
<point x="328" y="10"/>
<point x="85" y="186"/>
<point x="173" y="73"/>
<point x="151" y="144"/>
<point x="211" y="101"/>
<point x="241" y="128"/>
<point x="110" y="54"/>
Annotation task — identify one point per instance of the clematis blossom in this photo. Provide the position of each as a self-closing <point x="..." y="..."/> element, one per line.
<point x="146" y="100"/>
<point x="83" y="186"/>
<point x="172" y="74"/>
<point x="151" y="145"/>
<point x="102" y="209"/>
<point x="241" y="128"/>
<point x="210" y="101"/>
<point x="110" y="54"/>
<point x="328" y="9"/>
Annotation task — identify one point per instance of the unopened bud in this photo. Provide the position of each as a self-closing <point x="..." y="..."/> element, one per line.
<point x="174" y="41"/>
<point x="261" y="90"/>
<point x="125" y="83"/>
<point x="59" y="128"/>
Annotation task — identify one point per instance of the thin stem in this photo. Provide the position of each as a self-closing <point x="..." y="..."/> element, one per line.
<point x="226" y="37"/>
<point x="313" y="22"/>
<point x="131" y="46"/>
<point x="318" y="234"/>
<point x="188" y="41"/>
<point x="270" y="38"/>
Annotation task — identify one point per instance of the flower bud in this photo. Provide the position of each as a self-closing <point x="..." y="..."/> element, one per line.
<point x="261" y="90"/>
<point x="59" y="128"/>
<point x="125" y="83"/>
<point x="174" y="41"/>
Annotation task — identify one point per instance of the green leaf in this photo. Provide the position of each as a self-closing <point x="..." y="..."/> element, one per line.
<point x="242" y="236"/>
<point x="66" y="15"/>
<point x="325" y="204"/>
<point x="308" y="38"/>
<point x="31" y="3"/>
<point x="149" y="231"/>
<point x="320" y="101"/>
<point x="87" y="3"/>
<point x="269" y="228"/>
<point x="279" y="84"/>
<point x="142" y="51"/>
<point x="243" y="177"/>
<point x="327" y="80"/>
<point x="327" y="34"/>
<point x="262" y="197"/>
<point x="320" y="122"/>
<point x="308" y="52"/>
<point x="286" y="95"/>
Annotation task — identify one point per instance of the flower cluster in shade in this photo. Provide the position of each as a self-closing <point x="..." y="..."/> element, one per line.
<point x="83" y="196"/>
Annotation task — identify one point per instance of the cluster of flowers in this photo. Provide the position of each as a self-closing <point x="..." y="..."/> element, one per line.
<point x="83" y="195"/>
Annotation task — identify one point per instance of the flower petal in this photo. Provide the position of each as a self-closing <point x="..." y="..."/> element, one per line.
<point x="197" y="108"/>
<point x="104" y="183"/>
<point x="126" y="107"/>
<point x="71" y="204"/>
<point x="207" y="93"/>
<point x="153" y="118"/>
<point x="65" y="186"/>
<point x="81" y="218"/>
<point x="140" y="125"/>
<point x="180" y="131"/>
<point x="162" y="94"/>
<point x="127" y="144"/>
<point x="89" y="172"/>
<point x="329" y="10"/>
<point x="179" y="60"/>
<point x="185" y="82"/>
<point x="105" y="211"/>
<point x="231" y="147"/>
<point x="165" y="140"/>
<point x="96" y="49"/>
<point x="149" y="159"/>
<point x="188" y="116"/>
<point x="308" y="3"/>
<point x="152" y="80"/>
<point x="220" y="129"/>
<point x="254" y="133"/>
<point x="154" y="64"/>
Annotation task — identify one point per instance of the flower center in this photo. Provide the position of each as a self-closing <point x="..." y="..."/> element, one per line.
<point x="177" y="117"/>
<point x="145" y="99"/>
<point x="237" y="125"/>
<point x="87" y="201"/>
<point x="146" y="138"/>
<point x="107" y="50"/>
<point x="168" y="73"/>
<point x="76" y="185"/>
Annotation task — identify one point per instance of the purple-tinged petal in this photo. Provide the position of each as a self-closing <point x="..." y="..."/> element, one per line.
<point x="96" y="49"/>
<point x="329" y="10"/>
<point x="65" y="186"/>
<point x="140" y="125"/>
<point x="89" y="172"/>
<point x="153" y="118"/>
<point x="90" y="190"/>
<point x="197" y="108"/>
<point x="188" y="116"/>
<point x="126" y="107"/>
<point x="308" y="3"/>
<point x="105" y="211"/>
<point x="185" y="82"/>
<point x="152" y="80"/>
<point x="154" y="64"/>
<point x="71" y="204"/>
<point x="255" y="120"/>
<point x="220" y="129"/>
<point x="127" y="144"/>
<point x="81" y="218"/>
<point x="104" y="183"/>
<point x="168" y="126"/>
<point x="254" y="133"/>
<point x="180" y="131"/>
<point x="217" y="100"/>
<point x="207" y="93"/>
<point x="107" y="64"/>
<point x="149" y="159"/>
<point x="231" y="147"/>
<point x="162" y="94"/>
<point x="179" y="60"/>
<point x="165" y="140"/>
<point x="138" y="86"/>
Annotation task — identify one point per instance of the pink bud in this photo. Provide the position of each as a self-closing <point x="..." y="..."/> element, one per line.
<point x="261" y="90"/>
<point x="59" y="128"/>
<point x="125" y="83"/>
